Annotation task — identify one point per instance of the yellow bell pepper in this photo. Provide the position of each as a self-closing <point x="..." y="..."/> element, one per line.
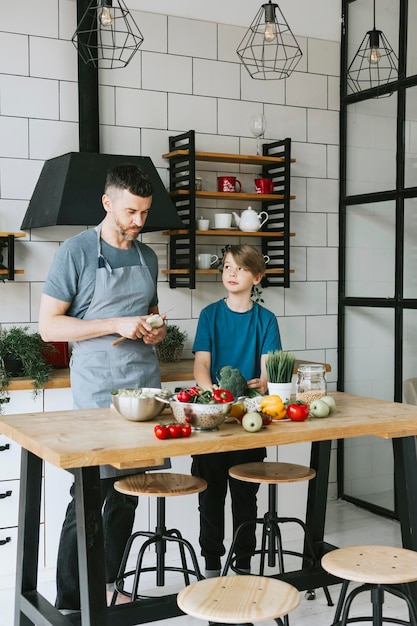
<point x="273" y="406"/>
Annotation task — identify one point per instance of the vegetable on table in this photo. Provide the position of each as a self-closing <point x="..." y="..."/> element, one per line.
<point x="273" y="406"/>
<point x="172" y="431"/>
<point x="222" y="395"/>
<point x="230" y="378"/>
<point x="298" y="411"/>
<point x="161" y="431"/>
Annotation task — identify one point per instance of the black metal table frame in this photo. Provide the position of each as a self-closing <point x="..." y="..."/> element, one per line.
<point x="32" y="608"/>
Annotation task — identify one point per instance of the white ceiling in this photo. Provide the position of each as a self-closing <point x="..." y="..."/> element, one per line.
<point x="308" y="18"/>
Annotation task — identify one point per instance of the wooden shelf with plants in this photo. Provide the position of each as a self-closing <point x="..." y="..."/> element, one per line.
<point x="274" y="235"/>
<point x="7" y="242"/>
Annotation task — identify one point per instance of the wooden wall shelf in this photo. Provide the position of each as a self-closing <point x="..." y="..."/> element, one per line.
<point x="8" y="242"/>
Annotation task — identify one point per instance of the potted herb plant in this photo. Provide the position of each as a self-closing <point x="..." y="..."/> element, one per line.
<point x="279" y="372"/>
<point x="22" y="353"/>
<point x="170" y="349"/>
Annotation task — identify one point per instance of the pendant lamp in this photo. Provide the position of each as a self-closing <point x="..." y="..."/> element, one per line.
<point x="374" y="64"/>
<point x="106" y="34"/>
<point x="269" y="50"/>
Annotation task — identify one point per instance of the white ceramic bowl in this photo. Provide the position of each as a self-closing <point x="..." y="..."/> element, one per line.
<point x="200" y="416"/>
<point x="137" y="409"/>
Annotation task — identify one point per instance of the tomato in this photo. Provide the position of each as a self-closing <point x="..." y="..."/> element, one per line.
<point x="161" y="431"/>
<point x="223" y="395"/>
<point x="183" y="396"/>
<point x="185" y="430"/>
<point x="174" y="430"/>
<point x="266" y="419"/>
<point x="298" y="411"/>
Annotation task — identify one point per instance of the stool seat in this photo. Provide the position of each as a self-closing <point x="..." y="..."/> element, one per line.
<point x="271" y="472"/>
<point x="377" y="565"/>
<point x="238" y="599"/>
<point x="160" y="484"/>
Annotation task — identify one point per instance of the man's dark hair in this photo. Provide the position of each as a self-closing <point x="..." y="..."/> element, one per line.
<point x="131" y="177"/>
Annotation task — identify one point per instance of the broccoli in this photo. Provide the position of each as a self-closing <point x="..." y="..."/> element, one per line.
<point x="230" y="378"/>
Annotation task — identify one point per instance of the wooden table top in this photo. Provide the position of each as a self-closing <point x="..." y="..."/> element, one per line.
<point x="84" y="438"/>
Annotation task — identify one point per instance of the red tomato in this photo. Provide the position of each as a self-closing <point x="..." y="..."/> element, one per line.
<point x="161" y="431"/>
<point x="174" y="430"/>
<point x="266" y="419"/>
<point x="298" y="411"/>
<point x="185" y="430"/>
<point x="183" y="396"/>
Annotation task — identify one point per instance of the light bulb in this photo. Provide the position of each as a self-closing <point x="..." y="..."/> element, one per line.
<point x="106" y="17"/>
<point x="374" y="56"/>
<point x="270" y="33"/>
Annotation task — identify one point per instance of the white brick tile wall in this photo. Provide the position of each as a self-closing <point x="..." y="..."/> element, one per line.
<point x="14" y="137"/>
<point x="42" y="22"/>
<point x="192" y="38"/>
<point x="68" y="101"/>
<point x="286" y="121"/>
<point x="166" y="72"/>
<point x="120" y="140"/>
<point x="14" y="302"/>
<point x="307" y="90"/>
<point x="310" y="298"/>
<point x="29" y="97"/>
<point x="141" y="108"/>
<point x="323" y="195"/>
<point x="14" y="54"/>
<point x="18" y="178"/>
<point x="323" y="57"/>
<point x="129" y="76"/>
<point x="52" y="58"/>
<point x="215" y="78"/>
<point x="323" y="126"/>
<point x="322" y="264"/>
<point x="321" y="331"/>
<point x="185" y="112"/>
<point x="48" y="139"/>
<point x="154" y="30"/>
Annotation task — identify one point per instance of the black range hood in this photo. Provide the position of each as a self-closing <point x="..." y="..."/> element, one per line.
<point x="70" y="187"/>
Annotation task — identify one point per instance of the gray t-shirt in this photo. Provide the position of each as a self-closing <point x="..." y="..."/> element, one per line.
<point x="72" y="275"/>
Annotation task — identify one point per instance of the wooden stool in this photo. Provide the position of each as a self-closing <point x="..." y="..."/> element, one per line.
<point x="274" y="473"/>
<point x="377" y="567"/>
<point x="239" y="599"/>
<point x="160" y="485"/>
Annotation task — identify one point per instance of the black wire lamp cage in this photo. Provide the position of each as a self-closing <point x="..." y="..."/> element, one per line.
<point x="374" y="64"/>
<point x="269" y="49"/>
<point x="107" y="34"/>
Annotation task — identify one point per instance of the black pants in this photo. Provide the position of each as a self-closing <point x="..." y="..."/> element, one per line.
<point x="214" y="468"/>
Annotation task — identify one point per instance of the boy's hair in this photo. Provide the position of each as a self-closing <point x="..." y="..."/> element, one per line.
<point x="131" y="177"/>
<point x="248" y="257"/>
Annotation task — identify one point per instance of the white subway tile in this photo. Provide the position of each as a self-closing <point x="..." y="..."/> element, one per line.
<point x="322" y="264"/>
<point x="18" y="178"/>
<point x="166" y="72"/>
<point x="214" y="78"/>
<point x="67" y="19"/>
<point x="128" y="76"/>
<point x="68" y="101"/>
<point x="310" y="229"/>
<point x="321" y="332"/>
<point x="14" y="302"/>
<point x="48" y="139"/>
<point x="14" y="54"/>
<point x="18" y="18"/>
<point x="323" y="57"/>
<point x="286" y="121"/>
<point x="322" y="195"/>
<point x="14" y="137"/>
<point x="11" y="214"/>
<point x="29" y="97"/>
<point x="192" y="38"/>
<point x="311" y="160"/>
<point x="332" y="297"/>
<point x="298" y="262"/>
<point x="306" y="90"/>
<point x="120" y="140"/>
<point x="333" y="162"/>
<point x="141" y="108"/>
<point x="35" y="300"/>
<point x="333" y="230"/>
<point x="333" y="93"/>
<point x="55" y="233"/>
<point x="34" y="258"/>
<point x="306" y="299"/>
<point x="229" y="38"/>
<point x="107" y="104"/>
<point x="52" y="58"/>
<point x="154" y="30"/>
<point x="197" y="112"/>
<point x="323" y="126"/>
<point x="234" y="117"/>
<point x="272" y="91"/>
<point x="299" y="190"/>
<point x="293" y="332"/>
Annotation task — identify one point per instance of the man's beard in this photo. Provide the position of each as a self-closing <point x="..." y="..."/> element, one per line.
<point x="123" y="232"/>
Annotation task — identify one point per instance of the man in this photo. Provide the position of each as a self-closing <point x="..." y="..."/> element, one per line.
<point x="102" y="285"/>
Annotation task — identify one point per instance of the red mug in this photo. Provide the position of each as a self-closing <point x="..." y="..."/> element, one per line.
<point x="264" y="185"/>
<point x="228" y="184"/>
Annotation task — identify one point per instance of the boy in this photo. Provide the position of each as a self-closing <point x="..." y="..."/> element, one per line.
<point x="239" y="332"/>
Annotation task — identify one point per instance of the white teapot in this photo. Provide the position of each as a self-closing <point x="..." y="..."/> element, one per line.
<point x="250" y="220"/>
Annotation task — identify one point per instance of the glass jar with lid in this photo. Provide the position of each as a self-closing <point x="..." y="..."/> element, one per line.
<point x="311" y="382"/>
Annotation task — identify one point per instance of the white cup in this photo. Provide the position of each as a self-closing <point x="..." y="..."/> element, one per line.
<point x="205" y="261"/>
<point x="203" y="224"/>
<point x="222" y="220"/>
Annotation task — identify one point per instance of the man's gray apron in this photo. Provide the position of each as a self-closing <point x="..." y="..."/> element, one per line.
<point x="97" y="367"/>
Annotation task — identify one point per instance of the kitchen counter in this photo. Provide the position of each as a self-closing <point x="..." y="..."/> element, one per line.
<point x="180" y="370"/>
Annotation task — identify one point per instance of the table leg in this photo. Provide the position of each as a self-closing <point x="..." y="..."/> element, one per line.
<point x="28" y="535"/>
<point x="317" y="489"/>
<point x="90" y="547"/>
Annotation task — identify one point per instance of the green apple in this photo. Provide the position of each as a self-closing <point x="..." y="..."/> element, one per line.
<point x="330" y="401"/>
<point x="319" y="408"/>
<point x="252" y="422"/>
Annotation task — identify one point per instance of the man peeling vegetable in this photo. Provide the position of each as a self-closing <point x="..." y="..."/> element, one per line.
<point x="236" y="332"/>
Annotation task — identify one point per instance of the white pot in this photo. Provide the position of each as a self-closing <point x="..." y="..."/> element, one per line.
<point x="283" y="390"/>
